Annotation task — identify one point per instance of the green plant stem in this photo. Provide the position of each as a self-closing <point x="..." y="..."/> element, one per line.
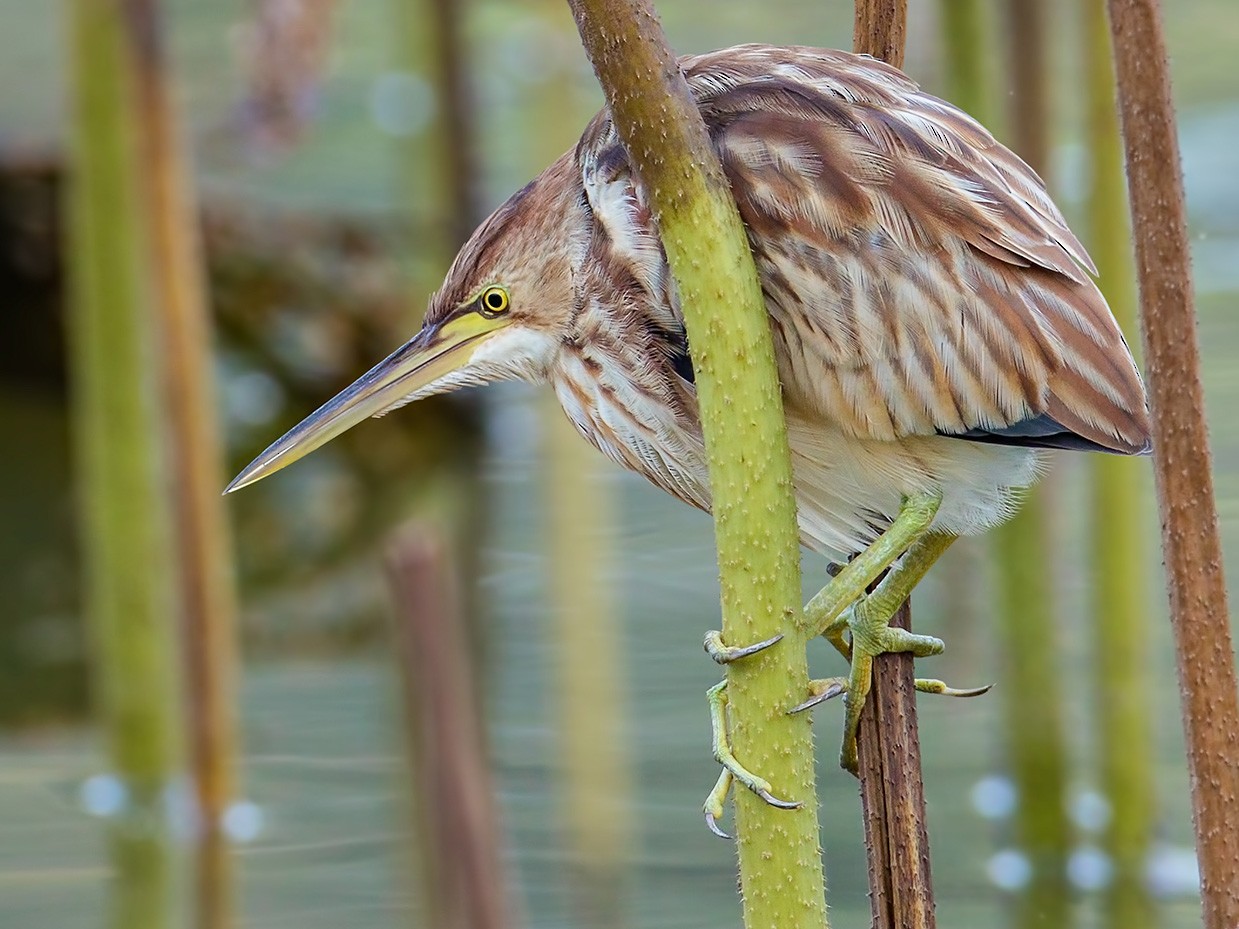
<point x="595" y="751"/>
<point x="124" y="525"/>
<point x="1121" y="617"/>
<point x="1033" y="701"/>
<point x="596" y="806"/>
<point x="207" y="588"/>
<point x="964" y="44"/>
<point x="1033" y="715"/>
<point x="750" y="472"/>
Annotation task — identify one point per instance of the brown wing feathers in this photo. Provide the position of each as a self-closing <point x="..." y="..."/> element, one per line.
<point x="919" y="278"/>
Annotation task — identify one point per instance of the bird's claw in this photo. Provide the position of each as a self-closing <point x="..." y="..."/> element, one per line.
<point x="939" y="688"/>
<point x="820" y="692"/>
<point x="725" y="654"/>
<point x="713" y="807"/>
<point x="774" y="801"/>
<point x="712" y="825"/>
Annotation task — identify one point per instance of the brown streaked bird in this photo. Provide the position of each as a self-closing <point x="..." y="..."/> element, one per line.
<point x="934" y="319"/>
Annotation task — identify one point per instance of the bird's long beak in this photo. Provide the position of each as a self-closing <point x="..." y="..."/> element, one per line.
<point x="434" y="352"/>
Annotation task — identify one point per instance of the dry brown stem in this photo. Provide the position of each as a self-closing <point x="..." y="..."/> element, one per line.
<point x="893" y="796"/>
<point x="891" y="788"/>
<point x="1181" y="458"/>
<point x="881" y="29"/>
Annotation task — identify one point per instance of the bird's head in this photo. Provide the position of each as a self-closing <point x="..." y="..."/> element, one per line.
<point x="507" y="303"/>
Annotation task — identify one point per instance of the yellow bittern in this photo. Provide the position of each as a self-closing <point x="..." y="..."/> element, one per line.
<point x="935" y="326"/>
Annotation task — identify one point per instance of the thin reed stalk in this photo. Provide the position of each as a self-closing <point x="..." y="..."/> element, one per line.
<point x="892" y="789"/>
<point x="124" y="518"/>
<point x="459" y="816"/>
<point x="206" y="587"/>
<point x="439" y="172"/>
<point x="964" y="44"/>
<point x="1032" y="689"/>
<point x="1182" y="463"/>
<point x="595" y="755"/>
<point x="1122" y="621"/>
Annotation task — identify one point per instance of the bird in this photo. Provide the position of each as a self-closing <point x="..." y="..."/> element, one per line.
<point x="936" y="329"/>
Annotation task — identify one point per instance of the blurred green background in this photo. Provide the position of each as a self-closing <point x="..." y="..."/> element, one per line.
<point x="318" y="232"/>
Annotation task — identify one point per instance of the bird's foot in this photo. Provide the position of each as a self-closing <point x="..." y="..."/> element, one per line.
<point x="871" y="636"/>
<point x="725" y="654"/>
<point x="732" y="769"/>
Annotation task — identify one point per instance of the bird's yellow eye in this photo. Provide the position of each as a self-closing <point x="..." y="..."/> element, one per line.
<point x="493" y="301"/>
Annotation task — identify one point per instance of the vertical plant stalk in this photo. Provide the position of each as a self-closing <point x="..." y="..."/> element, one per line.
<point x="124" y="521"/>
<point x="892" y="794"/>
<point x="960" y="577"/>
<point x="448" y="743"/>
<point x="207" y="590"/>
<point x="1121" y="617"/>
<point x="1031" y="693"/>
<point x="1181" y="459"/>
<point x="593" y="736"/>
<point x="460" y="886"/>
<point x="880" y="29"/>
<point x="595" y="752"/>
<point x="441" y="166"/>
<point x="892" y="790"/>
<point x="738" y="390"/>
<point x="964" y="42"/>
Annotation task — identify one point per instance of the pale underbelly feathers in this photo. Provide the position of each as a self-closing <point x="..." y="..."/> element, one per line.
<point x="847" y="489"/>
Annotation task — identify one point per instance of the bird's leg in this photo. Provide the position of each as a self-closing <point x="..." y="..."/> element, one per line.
<point x="732" y="769"/>
<point x="821" y="614"/>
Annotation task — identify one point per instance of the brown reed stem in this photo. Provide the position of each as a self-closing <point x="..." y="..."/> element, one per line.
<point x="892" y="790"/>
<point x="892" y="794"/>
<point x="1182" y="462"/>
<point x="880" y="29"/>
<point x="1122" y="618"/>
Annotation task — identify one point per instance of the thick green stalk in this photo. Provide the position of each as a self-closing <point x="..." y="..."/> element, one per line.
<point x="207" y="588"/>
<point x="1121" y="617"/>
<point x="118" y="426"/>
<point x="750" y="472"/>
